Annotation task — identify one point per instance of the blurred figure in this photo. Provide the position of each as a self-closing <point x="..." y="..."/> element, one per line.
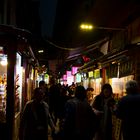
<point x="62" y="101"/>
<point x="71" y="90"/>
<point x="80" y="120"/>
<point x="44" y="87"/>
<point x="35" y="118"/>
<point x="128" y="110"/>
<point x="103" y="105"/>
<point x="61" y="109"/>
<point x="54" y="98"/>
<point x="89" y="93"/>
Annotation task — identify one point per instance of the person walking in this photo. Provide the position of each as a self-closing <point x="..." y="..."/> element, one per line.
<point x="89" y="94"/>
<point x="80" y="119"/>
<point x="103" y="106"/>
<point x="35" y="118"/>
<point x="54" y="99"/>
<point x="128" y="110"/>
<point x="44" y="87"/>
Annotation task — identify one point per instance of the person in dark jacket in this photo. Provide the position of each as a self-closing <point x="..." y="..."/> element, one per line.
<point x="54" y="98"/>
<point x="128" y="110"/>
<point x="44" y="87"/>
<point x="35" y="118"/>
<point x="80" y="119"/>
<point x="103" y="105"/>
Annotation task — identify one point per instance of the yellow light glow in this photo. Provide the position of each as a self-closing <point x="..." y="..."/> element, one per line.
<point x="90" y="27"/>
<point x="86" y="26"/>
<point x="82" y="26"/>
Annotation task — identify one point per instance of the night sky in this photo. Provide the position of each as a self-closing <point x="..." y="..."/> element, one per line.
<point x="47" y="15"/>
<point x="71" y="12"/>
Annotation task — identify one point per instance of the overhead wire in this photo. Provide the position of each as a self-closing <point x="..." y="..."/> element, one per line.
<point x="77" y="48"/>
<point x="63" y="48"/>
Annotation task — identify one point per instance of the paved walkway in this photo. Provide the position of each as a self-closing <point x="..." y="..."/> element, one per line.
<point x="49" y="133"/>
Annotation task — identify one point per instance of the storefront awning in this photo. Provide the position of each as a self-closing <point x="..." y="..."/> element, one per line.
<point x="22" y="36"/>
<point x="88" y="50"/>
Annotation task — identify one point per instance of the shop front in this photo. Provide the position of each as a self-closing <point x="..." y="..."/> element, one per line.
<point x="15" y="69"/>
<point x="113" y="79"/>
<point x="126" y="73"/>
<point x="119" y="70"/>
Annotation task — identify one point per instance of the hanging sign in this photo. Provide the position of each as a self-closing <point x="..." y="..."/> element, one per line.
<point x="125" y="69"/>
<point x="97" y="73"/>
<point x="90" y="74"/>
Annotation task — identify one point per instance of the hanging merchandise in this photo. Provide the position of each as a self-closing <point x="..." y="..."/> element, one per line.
<point x="3" y="85"/>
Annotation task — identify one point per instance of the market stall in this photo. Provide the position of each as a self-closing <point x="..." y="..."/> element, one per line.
<point x="16" y="63"/>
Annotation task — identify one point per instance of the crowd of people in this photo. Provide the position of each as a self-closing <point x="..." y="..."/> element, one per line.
<point x="79" y="115"/>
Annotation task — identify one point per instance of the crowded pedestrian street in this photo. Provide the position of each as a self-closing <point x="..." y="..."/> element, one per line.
<point x="69" y="70"/>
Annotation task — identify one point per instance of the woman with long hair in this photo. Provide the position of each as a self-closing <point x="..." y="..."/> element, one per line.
<point x="102" y="106"/>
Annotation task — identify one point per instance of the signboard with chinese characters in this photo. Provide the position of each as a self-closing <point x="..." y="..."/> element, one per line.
<point x="126" y="68"/>
<point x="112" y="71"/>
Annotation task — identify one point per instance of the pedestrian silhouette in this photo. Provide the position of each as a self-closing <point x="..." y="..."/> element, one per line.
<point x="35" y="118"/>
<point x="128" y="110"/>
<point x="80" y="119"/>
<point x="103" y="107"/>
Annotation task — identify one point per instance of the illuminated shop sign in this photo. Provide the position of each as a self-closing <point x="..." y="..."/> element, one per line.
<point x="74" y="70"/>
<point x="78" y="77"/>
<point x="68" y="73"/>
<point x="70" y="79"/>
<point x="97" y="73"/>
<point x="90" y="74"/>
<point x="65" y="77"/>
